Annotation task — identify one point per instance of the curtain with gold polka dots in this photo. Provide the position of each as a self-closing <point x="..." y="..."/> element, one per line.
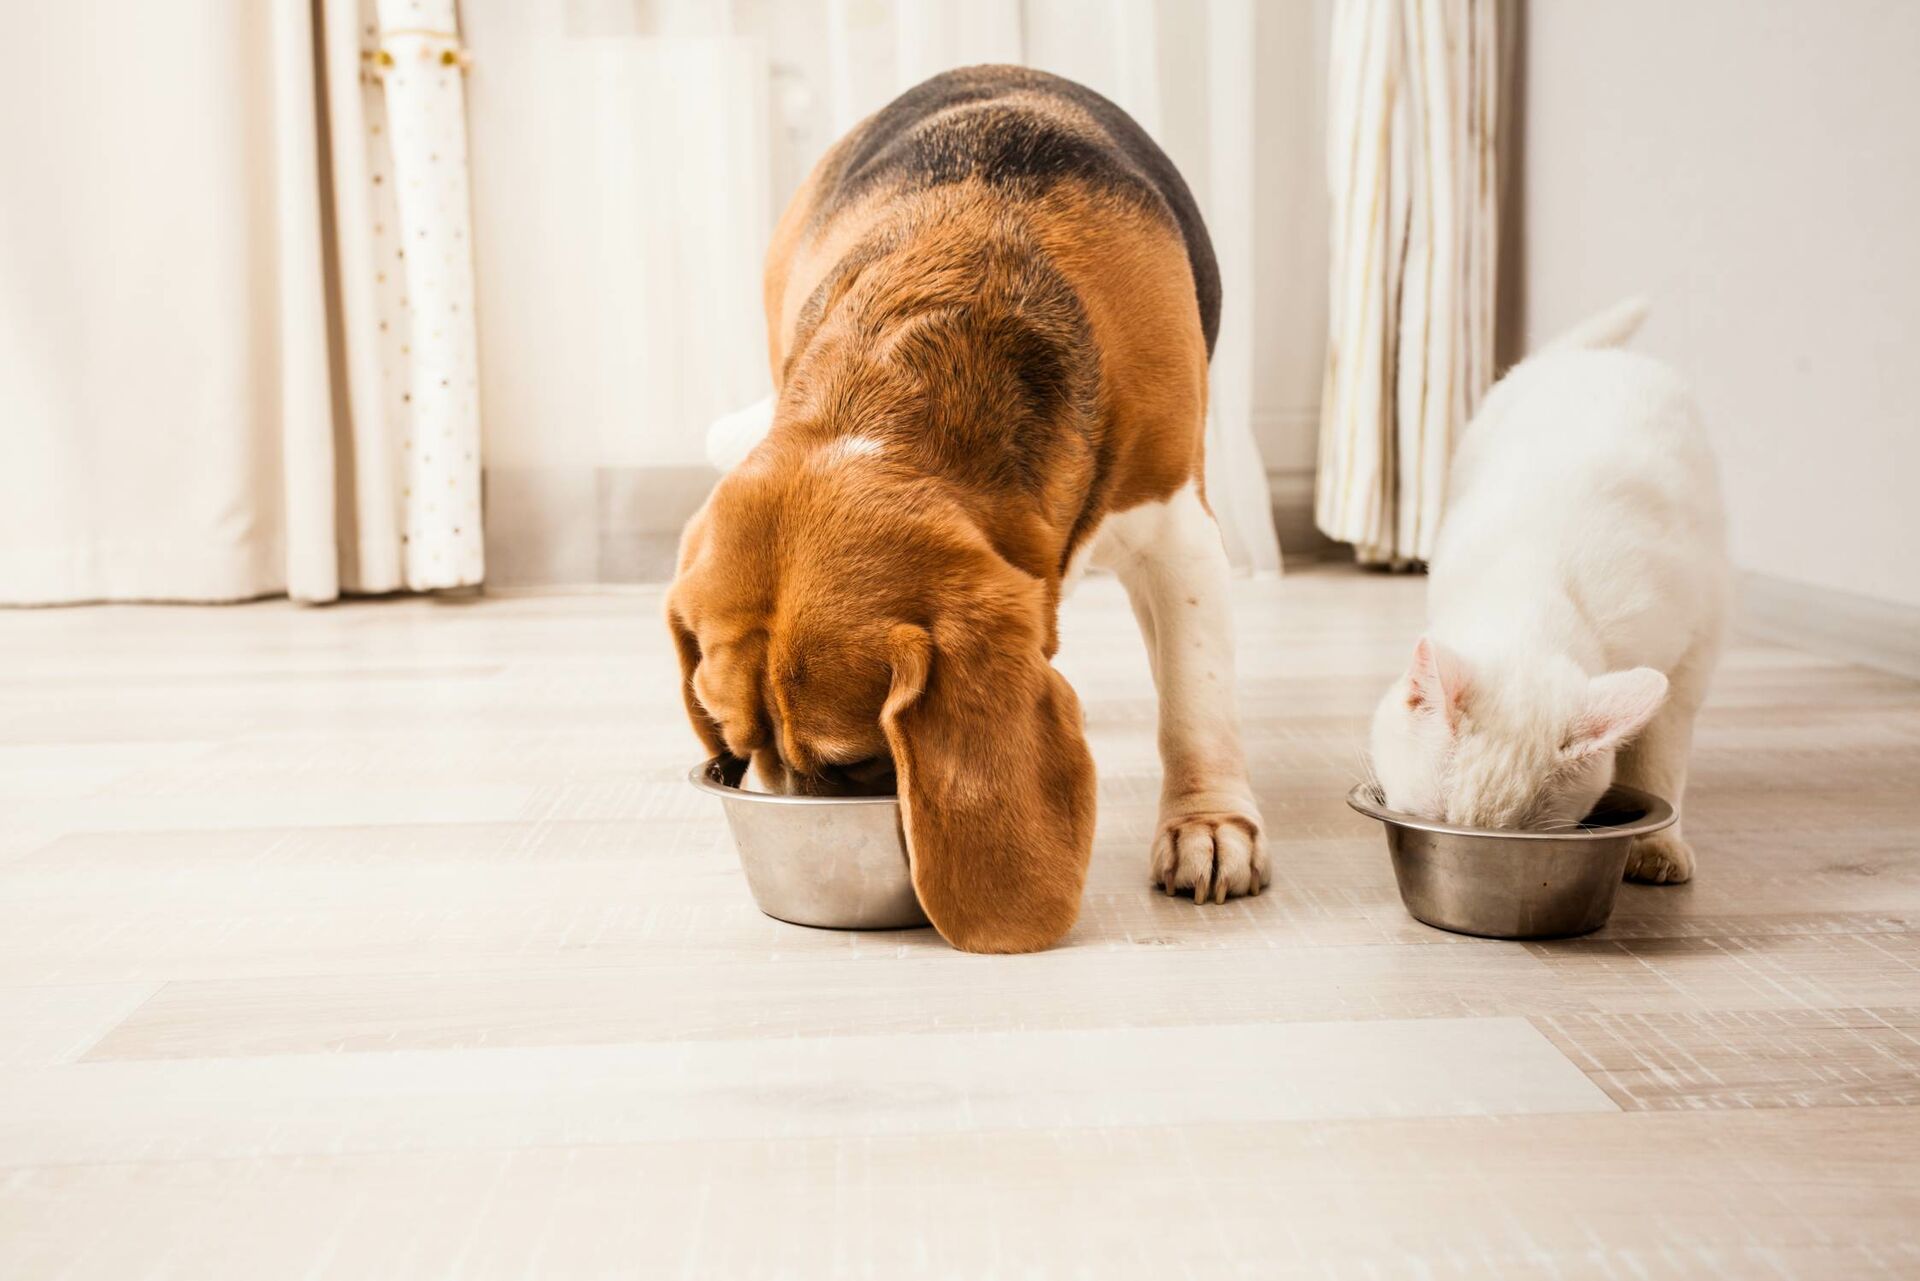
<point x="400" y="194"/>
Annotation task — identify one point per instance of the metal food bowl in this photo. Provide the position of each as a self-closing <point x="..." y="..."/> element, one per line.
<point x="837" y="862"/>
<point x="1515" y="885"/>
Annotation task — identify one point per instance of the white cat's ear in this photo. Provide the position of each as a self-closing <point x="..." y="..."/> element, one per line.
<point x="1436" y="681"/>
<point x="1619" y="705"/>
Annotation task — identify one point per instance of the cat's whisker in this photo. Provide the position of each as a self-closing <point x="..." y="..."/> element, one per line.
<point x="1367" y="771"/>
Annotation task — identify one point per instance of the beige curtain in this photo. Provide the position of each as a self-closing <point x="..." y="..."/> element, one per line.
<point x="1413" y="108"/>
<point x="236" y="343"/>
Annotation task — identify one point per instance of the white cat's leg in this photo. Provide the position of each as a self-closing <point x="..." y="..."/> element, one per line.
<point x="1656" y="761"/>
<point x="1170" y="558"/>
<point x="732" y="437"/>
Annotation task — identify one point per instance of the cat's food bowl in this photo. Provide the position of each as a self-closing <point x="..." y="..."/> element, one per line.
<point x="1515" y="885"/>
<point x="838" y="862"/>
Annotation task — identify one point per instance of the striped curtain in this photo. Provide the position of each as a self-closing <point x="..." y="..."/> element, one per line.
<point x="1412" y="163"/>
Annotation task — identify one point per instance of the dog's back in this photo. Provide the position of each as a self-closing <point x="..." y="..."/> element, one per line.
<point x="1012" y="286"/>
<point x="1022" y="132"/>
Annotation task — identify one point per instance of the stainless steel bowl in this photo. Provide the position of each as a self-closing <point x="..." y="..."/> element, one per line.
<point x="839" y="862"/>
<point x="1515" y="885"/>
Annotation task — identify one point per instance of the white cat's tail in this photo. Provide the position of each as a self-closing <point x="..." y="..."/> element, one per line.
<point x="731" y="437"/>
<point x="1611" y="328"/>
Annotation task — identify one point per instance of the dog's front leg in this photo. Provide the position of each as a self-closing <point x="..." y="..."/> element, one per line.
<point x="1170" y="558"/>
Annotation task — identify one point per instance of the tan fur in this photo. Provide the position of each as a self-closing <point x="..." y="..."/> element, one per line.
<point x="1131" y="274"/>
<point x="880" y="577"/>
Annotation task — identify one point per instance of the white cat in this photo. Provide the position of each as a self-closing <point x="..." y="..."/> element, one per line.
<point x="1578" y="590"/>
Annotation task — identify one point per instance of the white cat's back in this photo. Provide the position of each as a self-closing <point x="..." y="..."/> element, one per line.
<point x="1611" y="426"/>
<point x="1585" y="495"/>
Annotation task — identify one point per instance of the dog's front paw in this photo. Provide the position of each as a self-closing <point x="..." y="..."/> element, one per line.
<point x="1660" y="859"/>
<point x="1220" y="854"/>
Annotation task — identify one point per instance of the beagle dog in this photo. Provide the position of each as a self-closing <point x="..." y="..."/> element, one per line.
<point x="989" y="309"/>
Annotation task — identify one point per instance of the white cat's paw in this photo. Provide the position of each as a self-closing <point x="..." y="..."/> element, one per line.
<point x="1218" y="854"/>
<point x="1660" y="859"/>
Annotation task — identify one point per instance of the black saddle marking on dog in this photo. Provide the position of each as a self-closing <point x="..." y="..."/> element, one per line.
<point x="969" y="123"/>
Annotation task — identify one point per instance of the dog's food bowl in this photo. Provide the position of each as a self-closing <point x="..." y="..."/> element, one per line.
<point x="838" y="862"/>
<point x="1515" y="885"/>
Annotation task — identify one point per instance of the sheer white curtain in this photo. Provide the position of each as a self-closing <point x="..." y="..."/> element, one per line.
<point x="219" y="378"/>
<point x="629" y="160"/>
<point x="622" y="161"/>
<point x="1412" y="165"/>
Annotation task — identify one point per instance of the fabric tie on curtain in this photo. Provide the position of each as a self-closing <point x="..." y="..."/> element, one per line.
<point x="1413" y="107"/>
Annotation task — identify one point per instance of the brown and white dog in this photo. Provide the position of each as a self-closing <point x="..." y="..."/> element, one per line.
<point x="989" y="312"/>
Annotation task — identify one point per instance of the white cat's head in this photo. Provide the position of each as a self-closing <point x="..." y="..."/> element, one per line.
<point x="1518" y="747"/>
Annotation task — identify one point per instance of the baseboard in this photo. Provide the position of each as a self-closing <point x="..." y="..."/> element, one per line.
<point x="611" y="525"/>
<point x="1840" y="625"/>
<point x="1291" y="493"/>
<point x="549" y="527"/>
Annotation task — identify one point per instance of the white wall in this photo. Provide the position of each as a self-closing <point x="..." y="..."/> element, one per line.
<point x="1754" y="167"/>
<point x="1291" y="256"/>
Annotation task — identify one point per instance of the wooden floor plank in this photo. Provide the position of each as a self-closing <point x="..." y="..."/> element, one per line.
<point x="1813" y="1193"/>
<point x="388" y="941"/>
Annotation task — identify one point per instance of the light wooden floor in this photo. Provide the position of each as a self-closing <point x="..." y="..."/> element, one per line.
<point x="386" y="941"/>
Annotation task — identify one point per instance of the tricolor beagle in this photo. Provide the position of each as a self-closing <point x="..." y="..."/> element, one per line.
<point x="989" y="311"/>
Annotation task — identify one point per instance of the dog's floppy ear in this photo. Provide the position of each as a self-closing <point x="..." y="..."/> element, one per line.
<point x="685" y="642"/>
<point x="996" y="784"/>
<point x="688" y="646"/>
